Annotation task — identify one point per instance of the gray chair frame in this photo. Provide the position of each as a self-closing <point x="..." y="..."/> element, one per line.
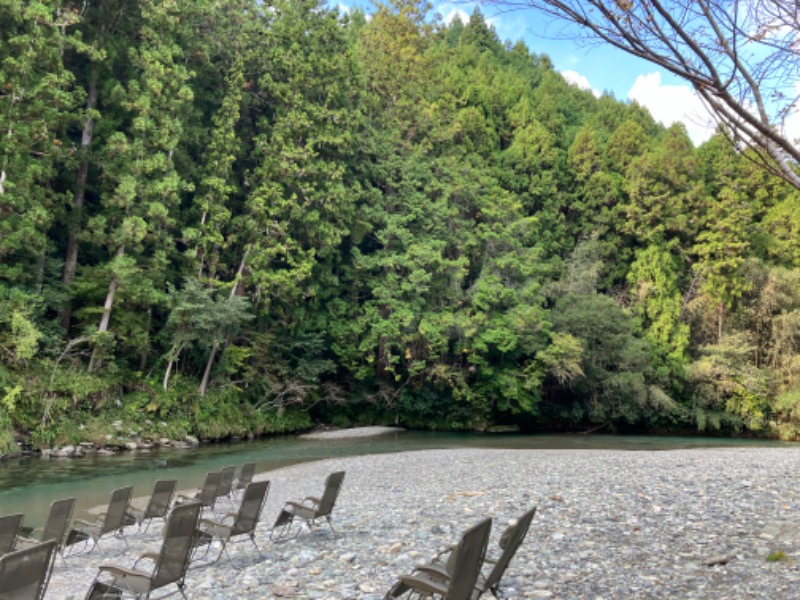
<point x="509" y="543"/>
<point x="170" y="563"/>
<point x="225" y="486"/>
<point x="9" y="530"/>
<point x="25" y="573"/>
<point x="311" y="508"/>
<point x="157" y="506"/>
<point x="206" y="495"/>
<point x="246" y="474"/>
<point x="110" y="522"/>
<point x="244" y="521"/>
<point x="56" y="527"/>
<point x="462" y="574"/>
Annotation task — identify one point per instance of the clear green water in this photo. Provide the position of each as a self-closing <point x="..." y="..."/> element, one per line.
<point x="29" y="485"/>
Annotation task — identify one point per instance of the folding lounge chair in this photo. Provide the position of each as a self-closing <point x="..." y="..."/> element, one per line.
<point x="9" y="530"/>
<point x="55" y="528"/>
<point x="463" y="570"/>
<point x="24" y="573"/>
<point x="170" y="563"/>
<point x="158" y="505"/>
<point x="206" y="495"/>
<point x="225" y="486"/>
<point x="509" y="543"/>
<point x="243" y="522"/>
<point x="245" y="477"/>
<point x="311" y="508"/>
<point x="112" y="522"/>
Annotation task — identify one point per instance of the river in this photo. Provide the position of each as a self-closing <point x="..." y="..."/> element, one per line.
<point x="30" y="484"/>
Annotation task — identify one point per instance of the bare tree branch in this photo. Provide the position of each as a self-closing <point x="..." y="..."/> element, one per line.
<point x="741" y="56"/>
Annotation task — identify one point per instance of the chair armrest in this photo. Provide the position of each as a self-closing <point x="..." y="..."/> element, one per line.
<point x="301" y="510"/>
<point x="118" y="571"/>
<point x="213" y="523"/>
<point x="25" y="541"/>
<point x="146" y="556"/>
<point x="82" y="522"/>
<point x="424" y="583"/>
<point x="437" y="572"/>
<point x="438" y="556"/>
<point x="313" y="499"/>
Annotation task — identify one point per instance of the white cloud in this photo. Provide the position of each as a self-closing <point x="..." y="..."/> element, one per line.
<point x="456" y="13"/>
<point x="575" y="78"/>
<point x="673" y="103"/>
<point x="791" y="125"/>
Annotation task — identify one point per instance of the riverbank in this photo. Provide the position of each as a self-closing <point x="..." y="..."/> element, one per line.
<point x="688" y="524"/>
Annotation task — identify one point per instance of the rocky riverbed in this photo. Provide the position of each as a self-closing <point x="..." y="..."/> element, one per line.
<point x="685" y="524"/>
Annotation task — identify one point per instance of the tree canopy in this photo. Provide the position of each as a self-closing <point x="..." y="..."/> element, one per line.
<point x="230" y="217"/>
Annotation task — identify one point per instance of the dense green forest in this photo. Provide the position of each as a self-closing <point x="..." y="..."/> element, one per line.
<point x="233" y="217"/>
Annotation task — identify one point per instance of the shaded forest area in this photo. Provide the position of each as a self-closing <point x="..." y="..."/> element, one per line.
<point x="232" y="217"/>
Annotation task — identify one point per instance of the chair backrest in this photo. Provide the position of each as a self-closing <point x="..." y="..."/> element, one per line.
<point x="160" y="501"/>
<point x="207" y="495"/>
<point x="510" y="541"/>
<point x="250" y="510"/>
<point x="9" y="529"/>
<point x="179" y="532"/>
<point x="467" y="560"/>
<point x="332" y="486"/>
<point x="57" y="524"/>
<point x="225" y="485"/>
<point x="117" y="509"/>
<point x="246" y="475"/>
<point x="24" y="573"/>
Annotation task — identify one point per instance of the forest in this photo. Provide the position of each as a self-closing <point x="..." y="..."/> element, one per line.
<point x="229" y="218"/>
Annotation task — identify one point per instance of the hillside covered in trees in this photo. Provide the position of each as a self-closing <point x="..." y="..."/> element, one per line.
<point x="231" y="217"/>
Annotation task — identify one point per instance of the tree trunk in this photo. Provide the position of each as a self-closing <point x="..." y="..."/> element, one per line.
<point x="212" y="356"/>
<point x="207" y="372"/>
<point x="170" y="365"/>
<point x="78" y="200"/>
<point x="105" y="319"/>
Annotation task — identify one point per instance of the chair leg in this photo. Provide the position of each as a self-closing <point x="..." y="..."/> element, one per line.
<point x="285" y="519"/>
<point x="330" y="524"/>
<point x="253" y="539"/>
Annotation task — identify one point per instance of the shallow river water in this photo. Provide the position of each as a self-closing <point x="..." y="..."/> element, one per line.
<point x="29" y="485"/>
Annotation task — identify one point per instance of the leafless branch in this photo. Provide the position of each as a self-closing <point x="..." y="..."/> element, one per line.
<point x="741" y="56"/>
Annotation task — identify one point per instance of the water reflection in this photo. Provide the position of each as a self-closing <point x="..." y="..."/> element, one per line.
<point x="29" y="485"/>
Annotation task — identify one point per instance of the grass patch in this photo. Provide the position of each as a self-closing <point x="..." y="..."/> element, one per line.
<point x="777" y="556"/>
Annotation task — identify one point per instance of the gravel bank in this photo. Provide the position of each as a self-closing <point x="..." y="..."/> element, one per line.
<point x="355" y="432"/>
<point x="686" y="524"/>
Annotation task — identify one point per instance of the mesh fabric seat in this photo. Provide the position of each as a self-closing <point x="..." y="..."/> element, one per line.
<point x="9" y="530"/>
<point x="24" y="573"/>
<point x="169" y="564"/>
<point x="225" y="486"/>
<point x="311" y="508"/>
<point x="111" y="522"/>
<point x="158" y="505"/>
<point x="206" y="495"/>
<point x="462" y="573"/>
<point x="242" y="522"/>
<point x="245" y="477"/>
<point x="509" y="543"/>
<point x="55" y="528"/>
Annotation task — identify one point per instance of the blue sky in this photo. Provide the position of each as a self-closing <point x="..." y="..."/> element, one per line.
<point x="597" y="67"/>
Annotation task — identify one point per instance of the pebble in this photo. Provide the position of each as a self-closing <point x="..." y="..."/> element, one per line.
<point x="611" y="525"/>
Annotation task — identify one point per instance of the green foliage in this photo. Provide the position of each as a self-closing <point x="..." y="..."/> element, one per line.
<point x="777" y="556"/>
<point x="228" y="218"/>
<point x="728" y="389"/>
<point x="658" y="304"/>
